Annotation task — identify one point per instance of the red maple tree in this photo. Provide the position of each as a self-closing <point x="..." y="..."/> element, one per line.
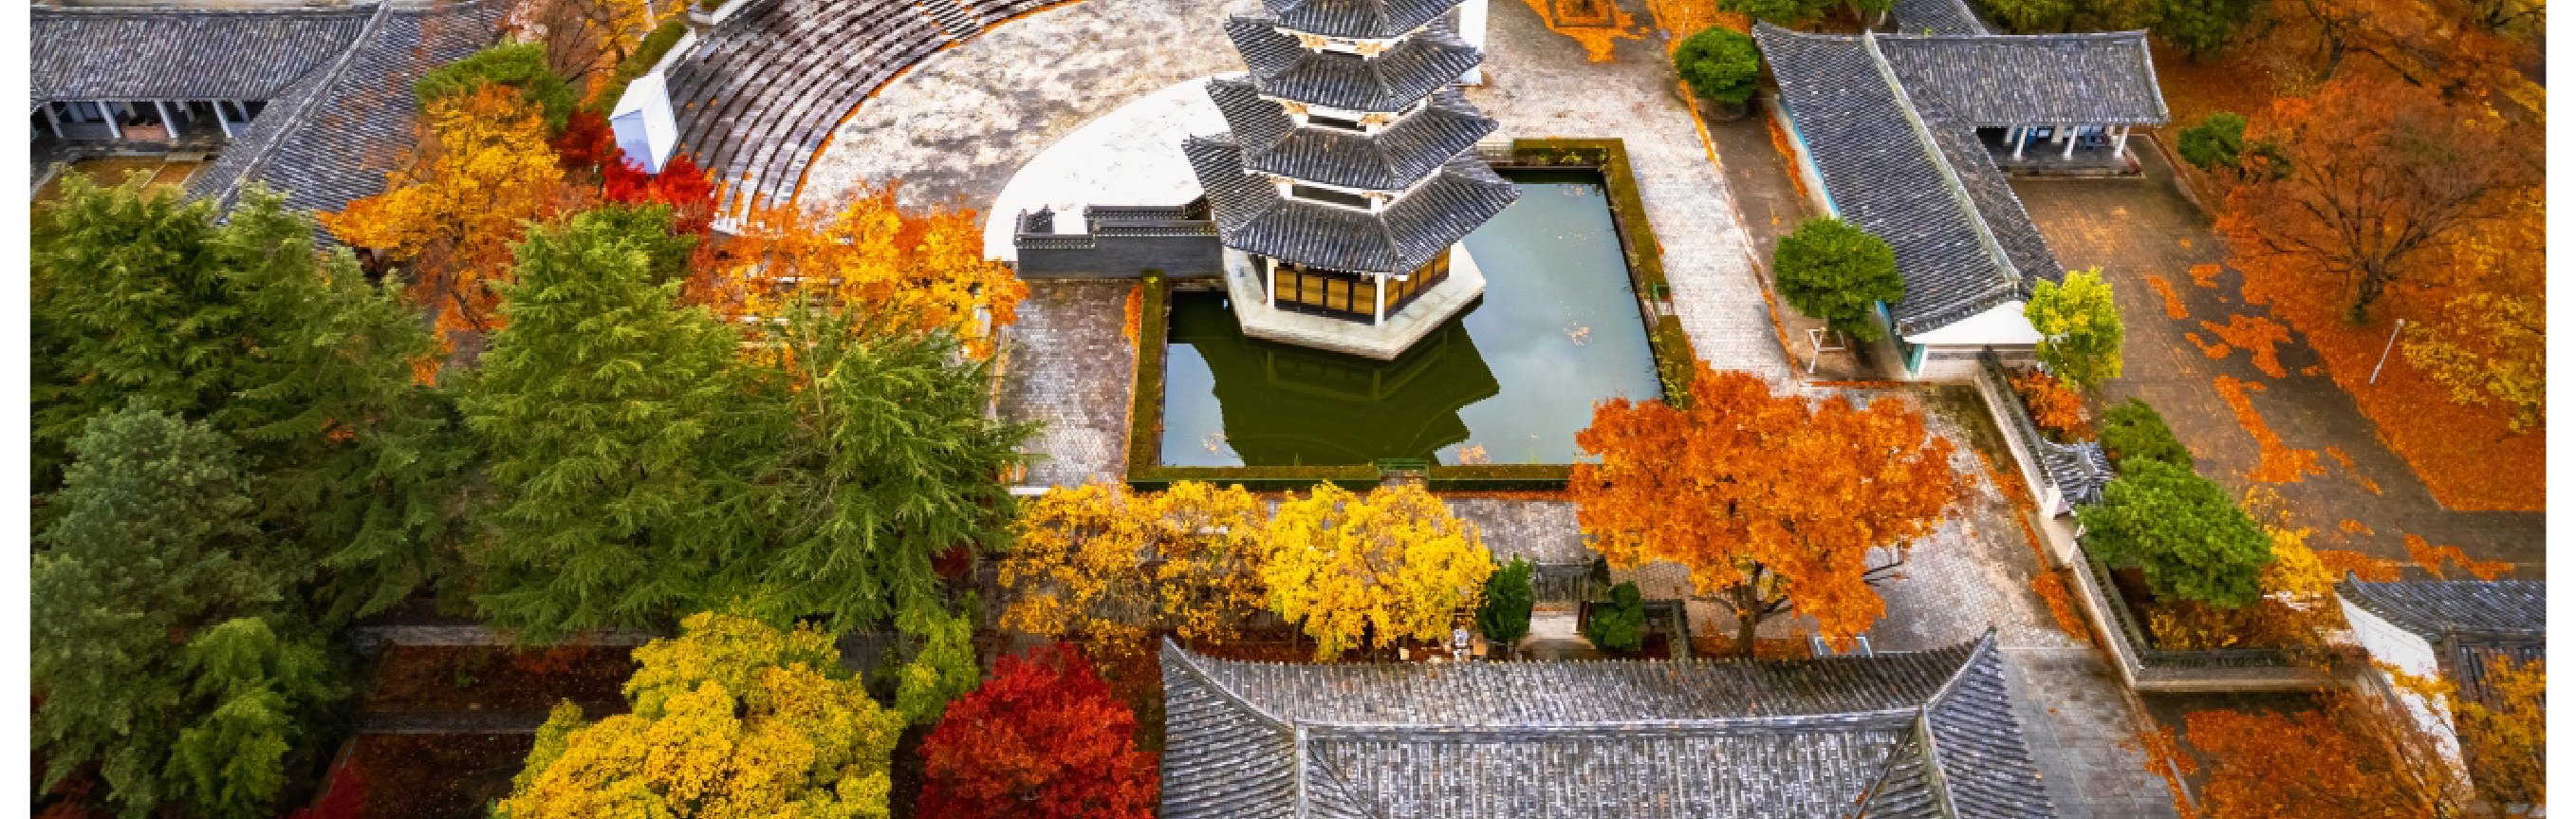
<point x="1042" y="740"/>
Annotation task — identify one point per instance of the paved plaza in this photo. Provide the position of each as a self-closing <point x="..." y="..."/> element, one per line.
<point x="2136" y="228"/>
<point x="958" y="127"/>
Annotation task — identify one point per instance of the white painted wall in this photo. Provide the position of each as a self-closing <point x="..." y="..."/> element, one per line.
<point x="2412" y="654"/>
<point x="643" y="123"/>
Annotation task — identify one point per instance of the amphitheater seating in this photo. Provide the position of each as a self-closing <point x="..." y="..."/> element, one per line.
<point x="757" y="97"/>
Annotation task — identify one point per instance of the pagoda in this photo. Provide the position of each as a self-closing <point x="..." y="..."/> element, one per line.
<point x="1348" y="174"/>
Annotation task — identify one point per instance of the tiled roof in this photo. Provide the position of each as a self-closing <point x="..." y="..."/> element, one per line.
<point x="181" y="53"/>
<point x="338" y="130"/>
<point x="1999" y="80"/>
<point x="1392" y="159"/>
<point x="1880" y="176"/>
<point x="1921" y="734"/>
<point x="1390" y="81"/>
<point x="1362" y="19"/>
<point x="1252" y="217"/>
<point x="2470" y="623"/>
<point x="2432" y="608"/>
<point x="1936" y="17"/>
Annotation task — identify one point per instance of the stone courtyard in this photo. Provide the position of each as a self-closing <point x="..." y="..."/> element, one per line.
<point x="957" y="127"/>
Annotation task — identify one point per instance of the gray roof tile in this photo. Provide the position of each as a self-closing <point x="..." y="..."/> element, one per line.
<point x="1643" y="739"/>
<point x="1936" y="17"/>
<point x="1252" y="217"/>
<point x="1389" y="81"/>
<point x="335" y="133"/>
<point x="2432" y="608"/>
<point x="1392" y="159"/>
<point x="182" y="53"/>
<point x="1995" y="81"/>
<point x="1880" y="176"/>
<point x="1362" y="19"/>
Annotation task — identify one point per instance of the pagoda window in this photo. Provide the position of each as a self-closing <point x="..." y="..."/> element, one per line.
<point x="1336" y="123"/>
<point x="1330" y="293"/>
<point x="1329" y="196"/>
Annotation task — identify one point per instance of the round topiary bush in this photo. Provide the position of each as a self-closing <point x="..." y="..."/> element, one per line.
<point x="1833" y="270"/>
<point x="1721" y="64"/>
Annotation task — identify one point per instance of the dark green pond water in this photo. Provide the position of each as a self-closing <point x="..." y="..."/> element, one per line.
<point x="1512" y="378"/>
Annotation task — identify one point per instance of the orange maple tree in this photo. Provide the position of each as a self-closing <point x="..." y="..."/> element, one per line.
<point x="925" y="268"/>
<point x="1774" y="502"/>
<point x="2372" y="176"/>
<point x="480" y="175"/>
<point x="2353" y="758"/>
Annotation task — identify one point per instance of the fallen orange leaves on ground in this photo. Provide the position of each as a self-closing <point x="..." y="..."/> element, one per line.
<point x="2462" y="453"/>
<point x="2173" y="304"/>
<point x="2281" y="464"/>
<point x="2260" y="336"/>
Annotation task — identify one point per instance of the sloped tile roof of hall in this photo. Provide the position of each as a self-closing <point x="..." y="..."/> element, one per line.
<point x="1362" y="19"/>
<point x="1882" y="177"/>
<point x="182" y="53"/>
<point x="1920" y="734"/>
<point x="1936" y="17"/>
<point x="1390" y="81"/>
<point x="2001" y="80"/>
<point x="334" y="135"/>
<point x="1392" y="159"/>
<point x="1251" y="215"/>
<point x="2431" y="608"/>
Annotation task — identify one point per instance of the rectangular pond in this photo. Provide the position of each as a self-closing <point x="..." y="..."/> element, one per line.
<point x="1509" y="380"/>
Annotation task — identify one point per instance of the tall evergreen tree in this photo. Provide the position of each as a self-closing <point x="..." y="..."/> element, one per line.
<point x="294" y="355"/>
<point x="252" y="685"/>
<point x="152" y="539"/>
<point x="886" y="460"/>
<point x="610" y="416"/>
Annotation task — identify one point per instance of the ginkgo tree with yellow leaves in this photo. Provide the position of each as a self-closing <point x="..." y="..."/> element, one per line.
<point x="731" y="719"/>
<point x="1106" y="566"/>
<point x="1371" y="570"/>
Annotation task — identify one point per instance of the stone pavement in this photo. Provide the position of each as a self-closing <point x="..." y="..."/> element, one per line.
<point x="1070" y="366"/>
<point x="1538" y="84"/>
<point x="964" y="120"/>
<point x="2135" y="228"/>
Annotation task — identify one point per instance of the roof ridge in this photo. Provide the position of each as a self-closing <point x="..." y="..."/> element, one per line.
<point x="1950" y="180"/>
<point x="323" y="77"/>
<point x="2070" y="35"/>
<point x="1190" y="662"/>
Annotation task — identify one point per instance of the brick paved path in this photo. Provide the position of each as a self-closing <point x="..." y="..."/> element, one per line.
<point x="2134" y="228"/>
<point x="1070" y="366"/>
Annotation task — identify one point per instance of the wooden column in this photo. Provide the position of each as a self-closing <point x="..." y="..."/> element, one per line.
<point x="1380" y="279"/>
<point x="2071" y="139"/>
<point x="222" y="121"/>
<point x="168" y="125"/>
<point x="114" y="131"/>
<point x="2120" y="144"/>
<point x="51" y="123"/>
<point x="1269" y="283"/>
<point x="2024" y="136"/>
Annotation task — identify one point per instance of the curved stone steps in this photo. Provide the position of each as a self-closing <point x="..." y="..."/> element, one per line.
<point x="759" y="96"/>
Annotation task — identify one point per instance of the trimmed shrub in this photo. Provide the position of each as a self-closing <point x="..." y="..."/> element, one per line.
<point x="1504" y="616"/>
<point x="1721" y="64"/>
<point x="2217" y="142"/>
<point x="1620" y="623"/>
<point x="2185" y="531"/>
<point x="518" y="65"/>
<point x="2133" y="431"/>
<point x="1833" y="270"/>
